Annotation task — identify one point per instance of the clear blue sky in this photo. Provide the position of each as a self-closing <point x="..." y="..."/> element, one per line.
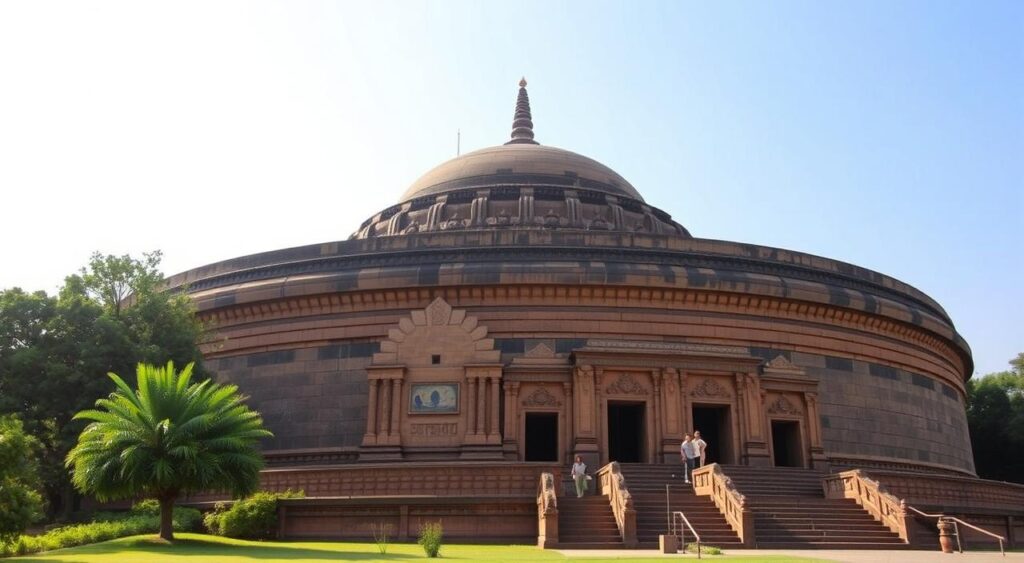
<point x="886" y="134"/>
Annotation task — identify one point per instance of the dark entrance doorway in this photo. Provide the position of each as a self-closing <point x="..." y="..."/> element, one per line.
<point x="541" y="436"/>
<point x="626" y="432"/>
<point x="786" y="443"/>
<point x="715" y="428"/>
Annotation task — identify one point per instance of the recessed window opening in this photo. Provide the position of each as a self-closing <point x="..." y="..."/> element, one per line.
<point x="435" y="359"/>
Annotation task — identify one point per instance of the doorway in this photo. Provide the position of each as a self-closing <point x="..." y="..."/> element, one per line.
<point x="716" y="429"/>
<point x="786" y="448"/>
<point x="542" y="436"/>
<point x="626" y="432"/>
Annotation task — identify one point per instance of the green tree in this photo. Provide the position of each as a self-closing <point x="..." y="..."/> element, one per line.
<point x="167" y="438"/>
<point x="995" y="415"/>
<point x="55" y="350"/>
<point x="20" y="502"/>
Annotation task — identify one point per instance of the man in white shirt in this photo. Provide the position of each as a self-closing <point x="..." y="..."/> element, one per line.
<point x="690" y="453"/>
<point x="702" y="446"/>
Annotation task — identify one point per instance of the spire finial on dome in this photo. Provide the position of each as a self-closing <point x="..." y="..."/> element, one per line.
<point x="522" y="122"/>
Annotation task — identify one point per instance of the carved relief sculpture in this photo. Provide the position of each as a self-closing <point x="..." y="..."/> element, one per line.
<point x="625" y="385"/>
<point x="782" y="405"/>
<point x="710" y="388"/>
<point x="541" y="397"/>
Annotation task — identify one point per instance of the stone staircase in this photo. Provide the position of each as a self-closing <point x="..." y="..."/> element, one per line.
<point x="587" y="523"/>
<point x="791" y="512"/>
<point x="646" y="483"/>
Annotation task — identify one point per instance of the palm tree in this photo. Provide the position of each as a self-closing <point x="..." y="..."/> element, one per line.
<point x="168" y="438"/>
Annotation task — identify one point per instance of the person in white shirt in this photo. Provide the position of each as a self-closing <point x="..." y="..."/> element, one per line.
<point x="579" y="476"/>
<point x="701" y="445"/>
<point x="690" y="453"/>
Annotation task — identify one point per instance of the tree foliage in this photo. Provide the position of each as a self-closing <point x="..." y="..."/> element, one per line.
<point x="55" y="350"/>
<point x="20" y="502"/>
<point x="995" y="414"/>
<point x="168" y="437"/>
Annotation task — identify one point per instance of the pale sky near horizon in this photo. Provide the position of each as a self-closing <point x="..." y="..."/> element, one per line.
<point x="885" y="134"/>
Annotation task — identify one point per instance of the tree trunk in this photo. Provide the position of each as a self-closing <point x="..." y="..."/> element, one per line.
<point x="166" y="518"/>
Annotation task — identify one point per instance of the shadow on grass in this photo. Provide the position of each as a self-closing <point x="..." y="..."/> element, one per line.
<point x="208" y="550"/>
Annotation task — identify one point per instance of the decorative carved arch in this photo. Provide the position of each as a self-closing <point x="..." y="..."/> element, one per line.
<point x="438" y="314"/>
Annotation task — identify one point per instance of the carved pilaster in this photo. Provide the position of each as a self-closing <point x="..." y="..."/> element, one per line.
<point x="818" y="458"/>
<point x="585" y="403"/>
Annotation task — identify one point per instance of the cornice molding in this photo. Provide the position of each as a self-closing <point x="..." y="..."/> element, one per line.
<point x="582" y="295"/>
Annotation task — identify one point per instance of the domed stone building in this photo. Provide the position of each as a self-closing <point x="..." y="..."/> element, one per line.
<point x="523" y="304"/>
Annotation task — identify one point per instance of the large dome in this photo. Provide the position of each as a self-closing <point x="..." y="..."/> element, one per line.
<point x="523" y="164"/>
<point x="520" y="184"/>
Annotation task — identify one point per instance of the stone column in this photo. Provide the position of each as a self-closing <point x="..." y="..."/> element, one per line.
<point x="584" y="407"/>
<point x="495" y="431"/>
<point x="471" y="404"/>
<point x="658" y="422"/>
<point x="741" y="414"/>
<point x="385" y="419"/>
<point x="568" y="431"/>
<point x="481" y="409"/>
<point x="685" y="415"/>
<point x="371" y="412"/>
<point x="599" y="415"/>
<point x="510" y="448"/>
<point x="396" y="410"/>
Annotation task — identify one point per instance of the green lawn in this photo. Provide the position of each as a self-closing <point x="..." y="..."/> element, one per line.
<point x="199" y="548"/>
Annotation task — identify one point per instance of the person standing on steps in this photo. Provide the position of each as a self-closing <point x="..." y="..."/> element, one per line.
<point x="702" y="446"/>
<point x="579" y="476"/>
<point x="690" y="453"/>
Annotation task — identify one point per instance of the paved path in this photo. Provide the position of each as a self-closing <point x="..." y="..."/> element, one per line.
<point x="849" y="556"/>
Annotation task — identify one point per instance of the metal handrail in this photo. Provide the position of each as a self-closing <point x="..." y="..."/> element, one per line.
<point x="681" y="519"/>
<point x="956" y="528"/>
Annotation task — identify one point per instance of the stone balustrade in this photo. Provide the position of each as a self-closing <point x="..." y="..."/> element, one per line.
<point x="613" y="486"/>
<point x="711" y="481"/>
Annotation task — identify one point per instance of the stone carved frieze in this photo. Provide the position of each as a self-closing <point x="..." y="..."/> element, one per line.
<point x="541" y="397"/>
<point x="782" y="405"/>
<point x="625" y="385"/>
<point x="710" y="388"/>
<point x="669" y="347"/>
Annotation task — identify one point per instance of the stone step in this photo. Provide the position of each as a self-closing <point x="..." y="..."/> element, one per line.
<point x="583" y="544"/>
<point x="830" y="544"/>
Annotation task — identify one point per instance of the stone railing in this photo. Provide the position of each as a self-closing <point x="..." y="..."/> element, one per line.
<point x="883" y="506"/>
<point x="952" y="493"/>
<point x="547" y="512"/>
<point x="613" y="486"/>
<point x="711" y="481"/>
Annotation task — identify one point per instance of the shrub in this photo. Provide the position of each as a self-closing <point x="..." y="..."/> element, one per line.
<point x="254" y="517"/>
<point x="211" y="520"/>
<point x="381" y="535"/>
<point x="106" y="526"/>
<point x="704" y="549"/>
<point x="430" y="538"/>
